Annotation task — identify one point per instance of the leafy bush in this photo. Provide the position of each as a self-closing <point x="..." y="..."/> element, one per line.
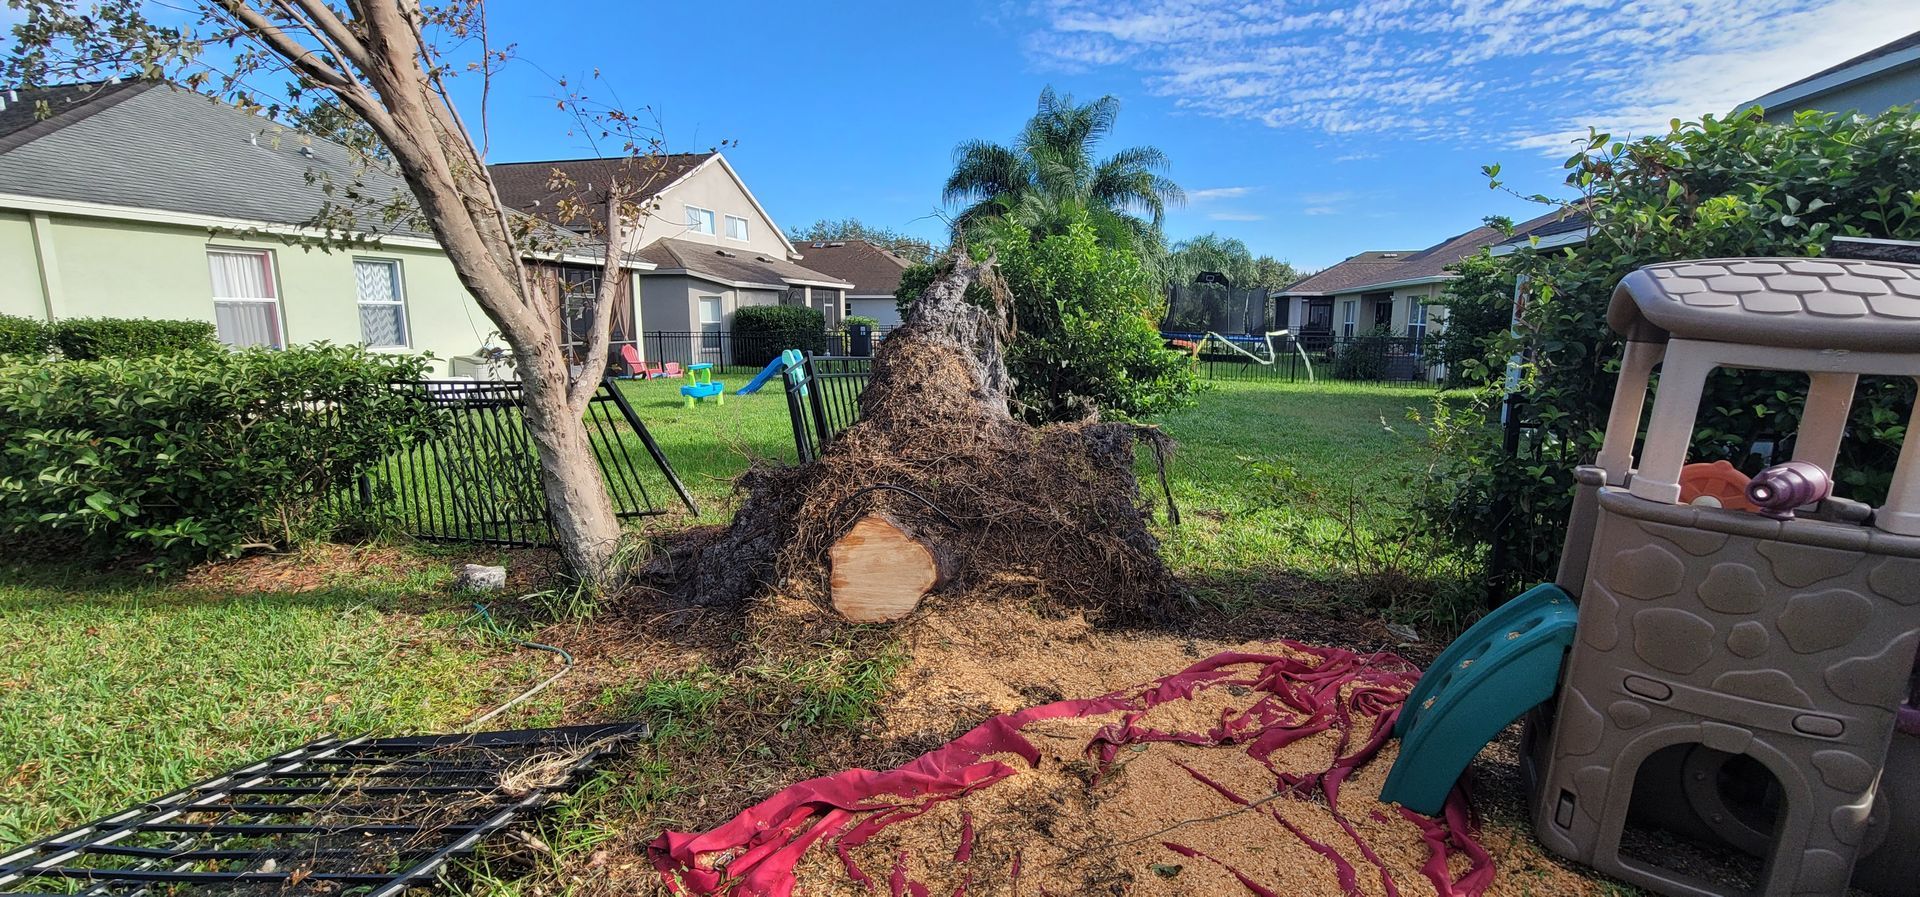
<point x="1089" y="338"/>
<point x="90" y="339"/>
<point x="852" y="321"/>
<point x="1479" y="309"/>
<point x="773" y="328"/>
<point x="24" y="336"/>
<point x="1735" y="187"/>
<point x="193" y="455"/>
<point x="1365" y="356"/>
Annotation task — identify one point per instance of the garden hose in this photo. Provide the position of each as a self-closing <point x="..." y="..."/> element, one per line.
<point x="566" y="660"/>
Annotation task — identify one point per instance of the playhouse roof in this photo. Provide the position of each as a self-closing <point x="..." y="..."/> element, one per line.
<point x="1784" y="302"/>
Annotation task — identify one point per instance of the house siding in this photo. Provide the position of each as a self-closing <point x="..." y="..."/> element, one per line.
<point x="20" y="289"/>
<point x="112" y="268"/>
<point x="886" y="311"/>
<point x="711" y="188"/>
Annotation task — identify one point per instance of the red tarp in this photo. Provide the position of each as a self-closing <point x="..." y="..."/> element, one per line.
<point x="1297" y="694"/>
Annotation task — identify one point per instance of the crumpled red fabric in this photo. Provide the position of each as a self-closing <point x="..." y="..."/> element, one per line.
<point x="1302" y="692"/>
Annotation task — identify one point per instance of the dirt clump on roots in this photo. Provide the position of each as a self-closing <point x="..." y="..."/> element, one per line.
<point x="1051" y="513"/>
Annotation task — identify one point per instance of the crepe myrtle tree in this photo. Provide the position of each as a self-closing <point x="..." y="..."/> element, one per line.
<point x="379" y="73"/>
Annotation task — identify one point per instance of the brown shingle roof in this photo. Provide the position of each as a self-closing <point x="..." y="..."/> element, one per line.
<point x="873" y="271"/>
<point x="729" y="266"/>
<point x="1384" y="267"/>
<point x="527" y="186"/>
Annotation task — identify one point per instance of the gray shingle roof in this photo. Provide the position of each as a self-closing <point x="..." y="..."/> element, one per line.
<point x="729" y="266"/>
<point x="161" y="147"/>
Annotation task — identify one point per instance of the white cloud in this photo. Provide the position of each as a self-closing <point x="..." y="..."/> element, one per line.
<point x="1527" y="73"/>
<point x="1319" y="210"/>
<point x="1213" y="193"/>
<point x="1235" y="216"/>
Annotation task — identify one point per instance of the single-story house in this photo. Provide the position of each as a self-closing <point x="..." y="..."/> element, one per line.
<point x="142" y="199"/>
<point x="1389" y="291"/>
<point x="873" y="270"/>
<point x="1870" y="83"/>
<point x="709" y="246"/>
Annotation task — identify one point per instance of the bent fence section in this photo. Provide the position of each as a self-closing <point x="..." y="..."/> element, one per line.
<point x="823" y="400"/>
<point x="477" y="479"/>
<point x="729" y="351"/>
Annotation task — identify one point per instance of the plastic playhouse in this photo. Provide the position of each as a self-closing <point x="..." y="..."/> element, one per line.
<point x="701" y="385"/>
<point x="1720" y="661"/>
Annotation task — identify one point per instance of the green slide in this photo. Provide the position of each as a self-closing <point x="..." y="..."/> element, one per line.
<point x="1499" y="669"/>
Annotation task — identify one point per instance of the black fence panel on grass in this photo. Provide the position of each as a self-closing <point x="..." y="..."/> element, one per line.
<point x="1368" y="359"/>
<point x="478" y="478"/>
<point x="823" y="400"/>
<point x="727" y="350"/>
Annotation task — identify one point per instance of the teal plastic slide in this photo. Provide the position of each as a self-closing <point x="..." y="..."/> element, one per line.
<point x="788" y="357"/>
<point x="1499" y="669"/>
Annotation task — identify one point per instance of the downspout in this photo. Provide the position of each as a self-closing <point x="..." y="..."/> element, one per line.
<point x="48" y="264"/>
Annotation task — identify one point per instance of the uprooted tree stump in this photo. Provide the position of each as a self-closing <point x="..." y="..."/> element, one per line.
<point x="939" y="487"/>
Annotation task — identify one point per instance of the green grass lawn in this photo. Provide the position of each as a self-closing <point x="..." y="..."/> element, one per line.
<point x="1298" y="479"/>
<point x="116" y="687"/>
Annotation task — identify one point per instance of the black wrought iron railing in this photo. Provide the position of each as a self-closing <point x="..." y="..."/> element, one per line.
<point x="1374" y="359"/>
<point x="478" y="478"/>
<point x="823" y="400"/>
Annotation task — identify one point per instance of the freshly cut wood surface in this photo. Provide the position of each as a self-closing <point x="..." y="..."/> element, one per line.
<point x="881" y="570"/>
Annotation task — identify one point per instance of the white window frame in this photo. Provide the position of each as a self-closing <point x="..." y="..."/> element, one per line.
<point x="272" y="278"/>
<point x="711" y="222"/>
<point x="400" y="300"/>
<point x="1416" y="324"/>
<point x="1349" y="317"/>
<point x="745" y="233"/>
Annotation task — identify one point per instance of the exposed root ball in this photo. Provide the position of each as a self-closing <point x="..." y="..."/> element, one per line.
<point x="1051" y="513"/>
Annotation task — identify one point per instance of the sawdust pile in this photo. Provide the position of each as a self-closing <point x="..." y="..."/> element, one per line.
<point x="1250" y="773"/>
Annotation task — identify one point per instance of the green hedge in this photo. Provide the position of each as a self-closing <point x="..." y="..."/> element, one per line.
<point x="24" y="336"/>
<point x="774" y="328"/>
<point x="89" y="339"/>
<point x="193" y="455"/>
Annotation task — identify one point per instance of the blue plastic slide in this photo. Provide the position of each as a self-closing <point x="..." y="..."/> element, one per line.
<point x="1499" y="669"/>
<point x="766" y="373"/>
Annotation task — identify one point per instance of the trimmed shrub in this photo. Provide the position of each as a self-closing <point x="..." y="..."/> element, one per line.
<point x="90" y="339"/>
<point x="24" y="336"/>
<point x="194" y="455"/>
<point x="853" y="320"/>
<point x="761" y="331"/>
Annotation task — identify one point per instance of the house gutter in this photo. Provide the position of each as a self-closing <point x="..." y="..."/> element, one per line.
<point x="1799" y="93"/>
<point x="43" y="206"/>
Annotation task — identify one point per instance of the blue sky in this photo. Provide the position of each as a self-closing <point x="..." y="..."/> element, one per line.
<point x="1310" y="130"/>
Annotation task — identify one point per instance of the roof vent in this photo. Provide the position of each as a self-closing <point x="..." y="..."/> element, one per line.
<point x="1389" y="255"/>
<point x="762" y="258"/>
<point x="306" y="152"/>
<point x="836" y="244"/>
<point x="724" y="254"/>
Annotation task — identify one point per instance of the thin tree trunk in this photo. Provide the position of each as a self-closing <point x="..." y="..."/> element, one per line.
<point x="582" y="514"/>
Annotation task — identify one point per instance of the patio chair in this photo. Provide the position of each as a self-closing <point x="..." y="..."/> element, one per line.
<point x="636" y="369"/>
<point x="672" y="370"/>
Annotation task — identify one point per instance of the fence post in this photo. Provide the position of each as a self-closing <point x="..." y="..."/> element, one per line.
<point x="646" y="439"/>
<point x="796" y="384"/>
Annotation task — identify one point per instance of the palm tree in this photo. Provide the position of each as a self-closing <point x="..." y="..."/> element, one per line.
<point x="1051" y="167"/>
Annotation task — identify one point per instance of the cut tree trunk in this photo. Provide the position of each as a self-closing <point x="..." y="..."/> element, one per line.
<point x="880" y="570"/>
<point x="979" y="503"/>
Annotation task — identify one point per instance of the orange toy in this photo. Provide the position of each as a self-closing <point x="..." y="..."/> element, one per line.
<point x="1720" y="481"/>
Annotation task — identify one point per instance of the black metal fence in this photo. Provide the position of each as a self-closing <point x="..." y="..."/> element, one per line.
<point x="823" y="399"/>
<point x="1369" y="359"/>
<point x="725" y="349"/>
<point x="478" y="479"/>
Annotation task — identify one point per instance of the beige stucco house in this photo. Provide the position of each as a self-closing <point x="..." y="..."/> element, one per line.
<point x="148" y="200"/>
<point x="710" y="247"/>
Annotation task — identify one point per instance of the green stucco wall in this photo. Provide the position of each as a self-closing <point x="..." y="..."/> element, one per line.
<point x="19" y="268"/>
<point x="128" y="269"/>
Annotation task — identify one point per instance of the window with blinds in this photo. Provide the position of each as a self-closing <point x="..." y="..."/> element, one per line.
<point x="246" y="301"/>
<point x="383" y="306"/>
